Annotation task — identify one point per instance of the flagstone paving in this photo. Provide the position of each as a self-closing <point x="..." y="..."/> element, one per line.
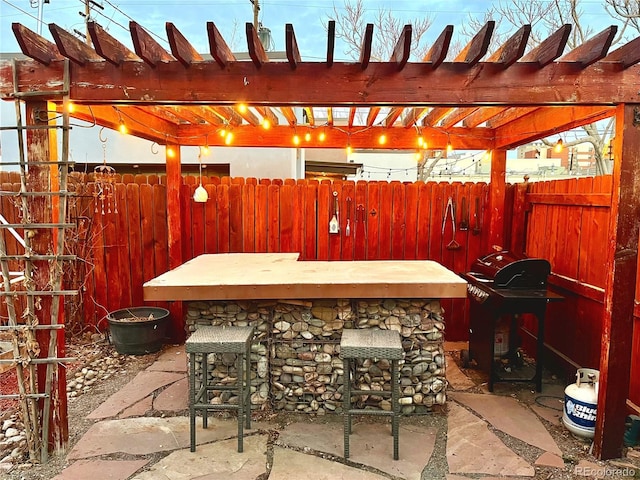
<point x="312" y="448"/>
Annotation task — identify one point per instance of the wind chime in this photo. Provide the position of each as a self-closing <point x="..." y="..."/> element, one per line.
<point x="104" y="177"/>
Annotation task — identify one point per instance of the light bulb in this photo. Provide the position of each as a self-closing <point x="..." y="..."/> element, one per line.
<point x="200" y="195"/>
<point x="307" y="137"/>
<point x="558" y="147"/>
<point x="382" y="139"/>
<point x="228" y="138"/>
<point x="205" y="150"/>
<point x="349" y="150"/>
<point x="122" y="128"/>
<point x="242" y="108"/>
<point x="70" y="107"/>
<point x="418" y="156"/>
<point x="449" y="147"/>
<point x="322" y="136"/>
<point x="266" y="123"/>
<point x="223" y="132"/>
<point x="296" y="140"/>
<point x="421" y="141"/>
<point x="170" y="152"/>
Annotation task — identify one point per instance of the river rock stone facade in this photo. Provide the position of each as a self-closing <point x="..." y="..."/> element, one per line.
<point x="295" y="356"/>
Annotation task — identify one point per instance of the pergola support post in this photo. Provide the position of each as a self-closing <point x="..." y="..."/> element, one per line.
<point x="174" y="184"/>
<point x="622" y="260"/>
<point x="497" y="193"/>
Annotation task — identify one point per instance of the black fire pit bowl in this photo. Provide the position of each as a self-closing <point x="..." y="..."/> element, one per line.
<point x="138" y="330"/>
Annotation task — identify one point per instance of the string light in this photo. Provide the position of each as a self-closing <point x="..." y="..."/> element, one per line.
<point x="421" y="142"/>
<point x="228" y="138"/>
<point x="307" y="136"/>
<point x="418" y="155"/>
<point x="223" y="132"/>
<point x="266" y="123"/>
<point x="382" y="139"/>
<point x="242" y="108"/>
<point x="296" y="139"/>
<point x="322" y="136"/>
<point x="170" y="152"/>
<point x="559" y="146"/>
<point x="449" y="147"/>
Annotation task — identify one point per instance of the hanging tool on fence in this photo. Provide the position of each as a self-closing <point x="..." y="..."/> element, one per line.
<point x="476" y="218"/>
<point x="450" y="210"/>
<point x="464" y="221"/>
<point x="347" y="229"/>
<point x="334" y="223"/>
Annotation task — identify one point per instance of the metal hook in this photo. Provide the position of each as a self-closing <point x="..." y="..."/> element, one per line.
<point x="156" y="150"/>
<point x="103" y="140"/>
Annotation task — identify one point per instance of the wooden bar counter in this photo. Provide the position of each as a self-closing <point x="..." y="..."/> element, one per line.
<point x="299" y="310"/>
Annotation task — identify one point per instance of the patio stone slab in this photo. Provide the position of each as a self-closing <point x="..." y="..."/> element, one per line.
<point x="511" y="417"/>
<point x="143" y="384"/>
<point x="288" y="465"/>
<point x="138" y="409"/>
<point x="102" y="469"/>
<point x="472" y="448"/>
<point x="552" y="416"/>
<point x="370" y="444"/>
<point x="215" y="461"/>
<point x="141" y="436"/>
<point x="455" y="377"/>
<point x="548" y="459"/>
<point x="589" y="470"/>
<point x="172" y="359"/>
<point x="174" y="398"/>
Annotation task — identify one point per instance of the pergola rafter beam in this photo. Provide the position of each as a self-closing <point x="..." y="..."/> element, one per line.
<point x="108" y="47"/>
<point x="218" y="48"/>
<point x="180" y="46"/>
<point x="146" y="47"/>
<point x="36" y="46"/>
<point x="593" y="49"/>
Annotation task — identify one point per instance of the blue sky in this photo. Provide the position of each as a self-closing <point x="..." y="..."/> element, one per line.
<point x="309" y="18"/>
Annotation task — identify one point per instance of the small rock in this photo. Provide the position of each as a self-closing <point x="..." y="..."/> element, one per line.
<point x="11" y="432"/>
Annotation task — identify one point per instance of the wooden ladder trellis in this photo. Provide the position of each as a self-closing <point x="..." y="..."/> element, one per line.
<point x="26" y="349"/>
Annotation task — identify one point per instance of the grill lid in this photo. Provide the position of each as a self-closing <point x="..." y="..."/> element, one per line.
<point x="507" y="270"/>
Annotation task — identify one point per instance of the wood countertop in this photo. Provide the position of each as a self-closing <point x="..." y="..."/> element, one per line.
<point x="241" y="276"/>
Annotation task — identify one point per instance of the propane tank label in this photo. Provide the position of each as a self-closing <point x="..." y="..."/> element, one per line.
<point x="581" y="413"/>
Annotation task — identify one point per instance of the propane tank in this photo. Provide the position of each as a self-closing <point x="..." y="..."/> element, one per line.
<point x="581" y="402"/>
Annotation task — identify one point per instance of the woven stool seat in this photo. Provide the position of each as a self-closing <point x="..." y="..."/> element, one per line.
<point x="373" y="344"/>
<point x="207" y="340"/>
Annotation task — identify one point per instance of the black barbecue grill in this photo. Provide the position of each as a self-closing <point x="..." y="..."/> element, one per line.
<point x="501" y="286"/>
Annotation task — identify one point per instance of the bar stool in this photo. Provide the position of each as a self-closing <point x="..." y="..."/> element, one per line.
<point x="377" y="344"/>
<point x="206" y="340"/>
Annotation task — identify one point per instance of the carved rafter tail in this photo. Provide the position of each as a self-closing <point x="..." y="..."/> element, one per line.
<point x="627" y="55"/>
<point x="293" y="54"/>
<point x="218" y="48"/>
<point x="592" y="50"/>
<point x="71" y="47"/>
<point x="438" y="51"/>
<point x="180" y="46"/>
<point x="457" y="115"/>
<point x="35" y="46"/>
<point x="108" y="47"/>
<point x="549" y="49"/>
<point x="436" y="114"/>
<point x="477" y="46"/>
<point x="146" y="47"/>
<point x="268" y="113"/>
<point x="365" y="50"/>
<point x="392" y="116"/>
<point x="402" y="50"/>
<point x="290" y="115"/>
<point x="331" y="41"/>
<point x="513" y="49"/>
<point x="256" y="51"/>
<point x="372" y="115"/>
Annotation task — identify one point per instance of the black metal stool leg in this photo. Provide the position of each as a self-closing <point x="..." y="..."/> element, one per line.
<point x="248" y="387"/>
<point x="241" y="401"/>
<point x="346" y="404"/>
<point x="192" y="401"/>
<point x="205" y="386"/>
<point x="395" y="386"/>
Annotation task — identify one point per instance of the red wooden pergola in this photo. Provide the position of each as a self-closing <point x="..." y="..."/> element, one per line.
<point x="476" y="101"/>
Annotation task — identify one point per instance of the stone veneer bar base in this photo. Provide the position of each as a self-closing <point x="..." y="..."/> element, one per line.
<point x="295" y="363"/>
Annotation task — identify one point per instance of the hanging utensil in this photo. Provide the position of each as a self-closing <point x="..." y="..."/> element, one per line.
<point x="476" y="218"/>
<point x="464" y="221"/>
<point x="334" y="224"/>
<point x="450" y="210"/>
<point x="347" y="230"/>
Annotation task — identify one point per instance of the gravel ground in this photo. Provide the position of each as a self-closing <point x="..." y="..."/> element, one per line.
<point x="574" y="450"/>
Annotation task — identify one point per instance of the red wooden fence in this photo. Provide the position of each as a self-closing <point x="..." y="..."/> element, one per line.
<point x="563" y="221"/>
